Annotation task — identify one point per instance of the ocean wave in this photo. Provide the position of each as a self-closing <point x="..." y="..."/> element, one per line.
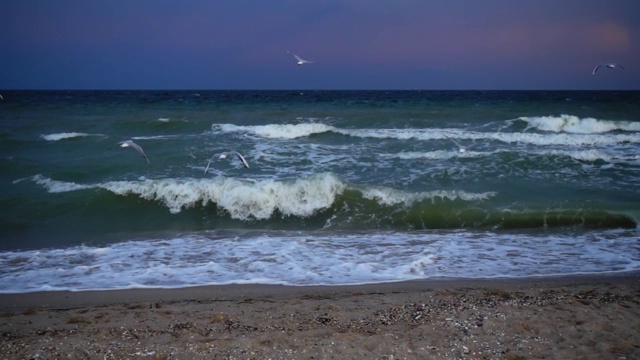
<point x="311" y="258"/>
<point x="159" y="137"/>
<point x="561" y="138"/>
<point x="294" y="131"/>
<point x="439" y="154"/>
<point x="243" y="200"/>
<point x="575" y="125"/>
<point x="54" y="186"/>
<point x="589" y="155"/>
<point x="66" y="135"/>
<point x="277" y="131"/>
<point x="330" y="202"/>
<point x="582" y="155"/>
<point x="389" y="196"/>
<point x="263" y="199"/>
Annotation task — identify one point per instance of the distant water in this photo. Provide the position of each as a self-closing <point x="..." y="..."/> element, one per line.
<point x="344" y="187"/>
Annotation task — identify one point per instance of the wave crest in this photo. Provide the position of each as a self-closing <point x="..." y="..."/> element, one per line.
<point x="243" y="200"/>
<point x="260" y="200"/>
<point x="569" y="130"/>
<point x="576" y="125"/>
<point x="277" y="131"/>
<point x="64" y="135"/>
<point x="55" y="186"/>
<point x="389" y="196"/>
<point x="339" y="204"/>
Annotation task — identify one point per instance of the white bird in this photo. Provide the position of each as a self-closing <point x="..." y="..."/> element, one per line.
<point x="224" y="156"/>
<point x="460" y="147"/>
<point x="130" y="143"/>
<point x="608" y="66"/>
<point x="300" y="61"/>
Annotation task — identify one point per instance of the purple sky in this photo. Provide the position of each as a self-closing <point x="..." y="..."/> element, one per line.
<point x="356" y="44"/>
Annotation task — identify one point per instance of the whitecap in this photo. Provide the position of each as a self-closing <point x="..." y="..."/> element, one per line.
<point x="256" y="199"/>
<point x="277" y="131"/>
<point x="438" y="155"/>
<point x="581" y="155"/>
<point x="54" y="186"/>
<point x="389" y="196"/>
<point x="575" y="125"/>
<point x="65" y="135"/>
<point x="241" y="199"/>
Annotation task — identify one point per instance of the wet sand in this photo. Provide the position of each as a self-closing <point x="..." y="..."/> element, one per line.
<point x="557" y="318"/>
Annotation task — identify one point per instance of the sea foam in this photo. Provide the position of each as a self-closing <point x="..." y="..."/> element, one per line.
<point x="389" y="196"/>
<point x="277" y="131"/>
<point x="243" y="200"/>
<point x="576" y="125"/>
<point x="65" y="135"/>
<point x="260" y="200"/>
<point x="578" y="136"/>
<point x="54" y="186"/>
<point x="314" y="259"/>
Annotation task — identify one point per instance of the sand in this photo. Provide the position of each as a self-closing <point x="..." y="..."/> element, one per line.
<point x="558" y="318"/>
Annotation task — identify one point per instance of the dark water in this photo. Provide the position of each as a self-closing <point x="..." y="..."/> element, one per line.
<point x="343" y="186"/>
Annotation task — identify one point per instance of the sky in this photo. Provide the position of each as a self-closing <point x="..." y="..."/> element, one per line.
<point x="355" y="44"/>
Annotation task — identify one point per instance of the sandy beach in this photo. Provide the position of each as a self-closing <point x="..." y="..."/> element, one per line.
<point x="557" y="318"/>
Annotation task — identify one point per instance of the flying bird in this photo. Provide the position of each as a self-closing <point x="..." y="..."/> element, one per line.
<point x="608" y="66"/>
<point x="224" y="156"/>
<point x="130" y="143"/>
<point x="300" y="61"/>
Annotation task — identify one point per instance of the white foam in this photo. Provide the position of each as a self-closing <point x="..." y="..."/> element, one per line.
<point x="315" y="259"/>
<point x="576" y="125"/>
<point x="158" y="137"/>
<point x="582" y="155"/>
<point x="66" y="135"/>
<point x="243" y="200"/>
<point x="277" y="131"/>
<point x="389" y="196"/>
<point x="256" y="199"/>
<point x="439" y="155"/>
<point x="564" y="137"/>
<point x="54" y="186"/>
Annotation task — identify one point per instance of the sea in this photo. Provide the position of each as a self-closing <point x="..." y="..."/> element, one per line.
<point x="343" y="187"/>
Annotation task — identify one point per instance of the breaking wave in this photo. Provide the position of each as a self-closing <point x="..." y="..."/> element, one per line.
<point x="260" y="200"/>
<point x="576" y="138"/>
<point x="575" y="125"/>
<point x="66" y="135"/>
<point x="276" y="131"/>
<point x="337" y="204"/>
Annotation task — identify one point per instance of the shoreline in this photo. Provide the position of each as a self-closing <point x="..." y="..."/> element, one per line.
<point x="560" y="317"/>
<point x="61" y="299"/>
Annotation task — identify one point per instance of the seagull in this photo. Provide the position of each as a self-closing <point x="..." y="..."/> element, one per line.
<point x="608" y="66"/>
<point x="130" y="143"/>
<point x="460" y="147"/>
<point x="300" y="60"/>
<point x="224" y="156"/>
